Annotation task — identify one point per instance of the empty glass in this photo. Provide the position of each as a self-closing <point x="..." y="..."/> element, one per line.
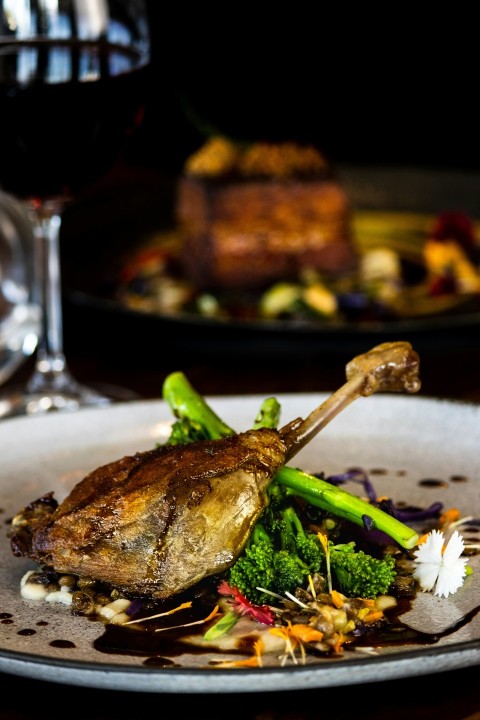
<point x="19" y="315"/>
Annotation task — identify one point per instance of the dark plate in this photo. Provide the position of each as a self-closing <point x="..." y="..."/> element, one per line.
<point x="125" y="224"/>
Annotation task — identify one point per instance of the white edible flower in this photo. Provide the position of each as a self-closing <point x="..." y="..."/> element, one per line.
<point x="440" y="567"/>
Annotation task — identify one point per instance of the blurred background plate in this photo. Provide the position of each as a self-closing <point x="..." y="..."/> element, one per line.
<point x="130" y="207"/>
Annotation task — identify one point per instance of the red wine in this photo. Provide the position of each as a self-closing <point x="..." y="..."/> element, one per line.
<point x="65" y="112"/>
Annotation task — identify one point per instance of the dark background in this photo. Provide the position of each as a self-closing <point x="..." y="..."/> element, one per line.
<point x="382" y="89"/>
<point x="368" y="89"/>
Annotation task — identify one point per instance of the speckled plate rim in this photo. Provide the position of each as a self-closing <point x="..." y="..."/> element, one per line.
<point x="419" y="436"/>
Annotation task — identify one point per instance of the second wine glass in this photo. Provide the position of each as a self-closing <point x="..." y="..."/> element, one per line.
<point x="72" y="88"/>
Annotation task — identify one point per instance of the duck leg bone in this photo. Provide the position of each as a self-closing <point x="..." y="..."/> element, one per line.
<point x="388" y="367"/>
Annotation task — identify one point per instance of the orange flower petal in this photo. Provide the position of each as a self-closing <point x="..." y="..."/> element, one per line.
<point x="306" y="633"/>
<point x="449" y="516"/>
<point x="337" y="598"/>
<point x="373" y="616"/>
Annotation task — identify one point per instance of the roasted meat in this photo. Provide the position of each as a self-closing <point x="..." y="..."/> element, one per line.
<point x="156" y="523"/>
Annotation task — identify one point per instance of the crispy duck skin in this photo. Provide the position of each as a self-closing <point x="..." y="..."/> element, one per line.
<point x="157" y="523"/>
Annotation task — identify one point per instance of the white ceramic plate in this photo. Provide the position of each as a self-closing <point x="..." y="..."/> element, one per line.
<point x="400" y="439"/>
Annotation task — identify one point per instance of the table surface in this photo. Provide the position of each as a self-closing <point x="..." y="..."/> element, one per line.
<point x="132" y="368"/>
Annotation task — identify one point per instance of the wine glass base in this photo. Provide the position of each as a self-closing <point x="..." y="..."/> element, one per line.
<point x="20" y="403"/>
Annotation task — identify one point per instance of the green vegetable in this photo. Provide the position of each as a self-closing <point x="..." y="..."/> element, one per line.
<point x="222" y="626"/>
<point x="269" y="414"/>
<point x="265" y="565"/>
<point x="359" y="574"/>
<point x="339" y="502"/>
<point x="196" y="419"/>
<point x="282" y="553"/>
<point x="255" y="567"/>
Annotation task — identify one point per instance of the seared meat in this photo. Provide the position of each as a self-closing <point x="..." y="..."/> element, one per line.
<point x="158" y="522"/>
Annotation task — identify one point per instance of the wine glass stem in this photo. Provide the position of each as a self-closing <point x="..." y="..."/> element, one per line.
<point x="50" y="369"/>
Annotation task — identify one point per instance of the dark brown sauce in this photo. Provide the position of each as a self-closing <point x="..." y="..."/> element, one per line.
<point x="398" y="633"/>
<point x="26" y="631"/>
<point x="6" y="621"/>
<point x="458" y="478"/>
<point x="154" y="638"/>
<point x="432" y="482"/>
<point x="378" y="471"/>
<point x="65" y="644"/>
<point x="470" y="552"/>
<point x="158" y="661"/>
<point x="160" y="648"/>
<point x="143" y="642"/>
<point x="5" y="615"/>
<point x="42" y="623"/>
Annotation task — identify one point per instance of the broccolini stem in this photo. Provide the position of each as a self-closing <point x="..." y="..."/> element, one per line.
<point x="186" y="402"/>
<point x="344" y="504"/>
<point x="259" y="533"/>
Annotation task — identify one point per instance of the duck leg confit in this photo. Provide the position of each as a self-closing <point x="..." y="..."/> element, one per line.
<point x="157" y="523"/>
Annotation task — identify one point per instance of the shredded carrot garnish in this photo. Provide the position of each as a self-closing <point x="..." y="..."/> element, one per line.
<point x="183" y="606"/>
<point x="339" y="640"/>
<point x="214" y="613"/>
<point x="282" y="632"/>
<point x="294" y="637"/>
<point x="254" y="661"/>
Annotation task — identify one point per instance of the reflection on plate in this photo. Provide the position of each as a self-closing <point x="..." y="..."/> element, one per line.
<point x="440" y="442"/>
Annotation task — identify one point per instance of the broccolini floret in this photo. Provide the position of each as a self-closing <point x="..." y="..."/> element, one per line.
<point x="185" y="430"/>
<point x="255" y="567"/>
<point x="303" y="543"/>
<point x="360" y="575"/>
<point x="265" y="566"/>
<point x="280" y="554"/>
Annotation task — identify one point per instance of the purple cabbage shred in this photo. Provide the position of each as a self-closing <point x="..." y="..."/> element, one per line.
<point x="406" y="515"/>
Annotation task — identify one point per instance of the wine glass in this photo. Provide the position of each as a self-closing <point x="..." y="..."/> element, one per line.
<point x="19" y="314"/>
<point x="72" y="88"/>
